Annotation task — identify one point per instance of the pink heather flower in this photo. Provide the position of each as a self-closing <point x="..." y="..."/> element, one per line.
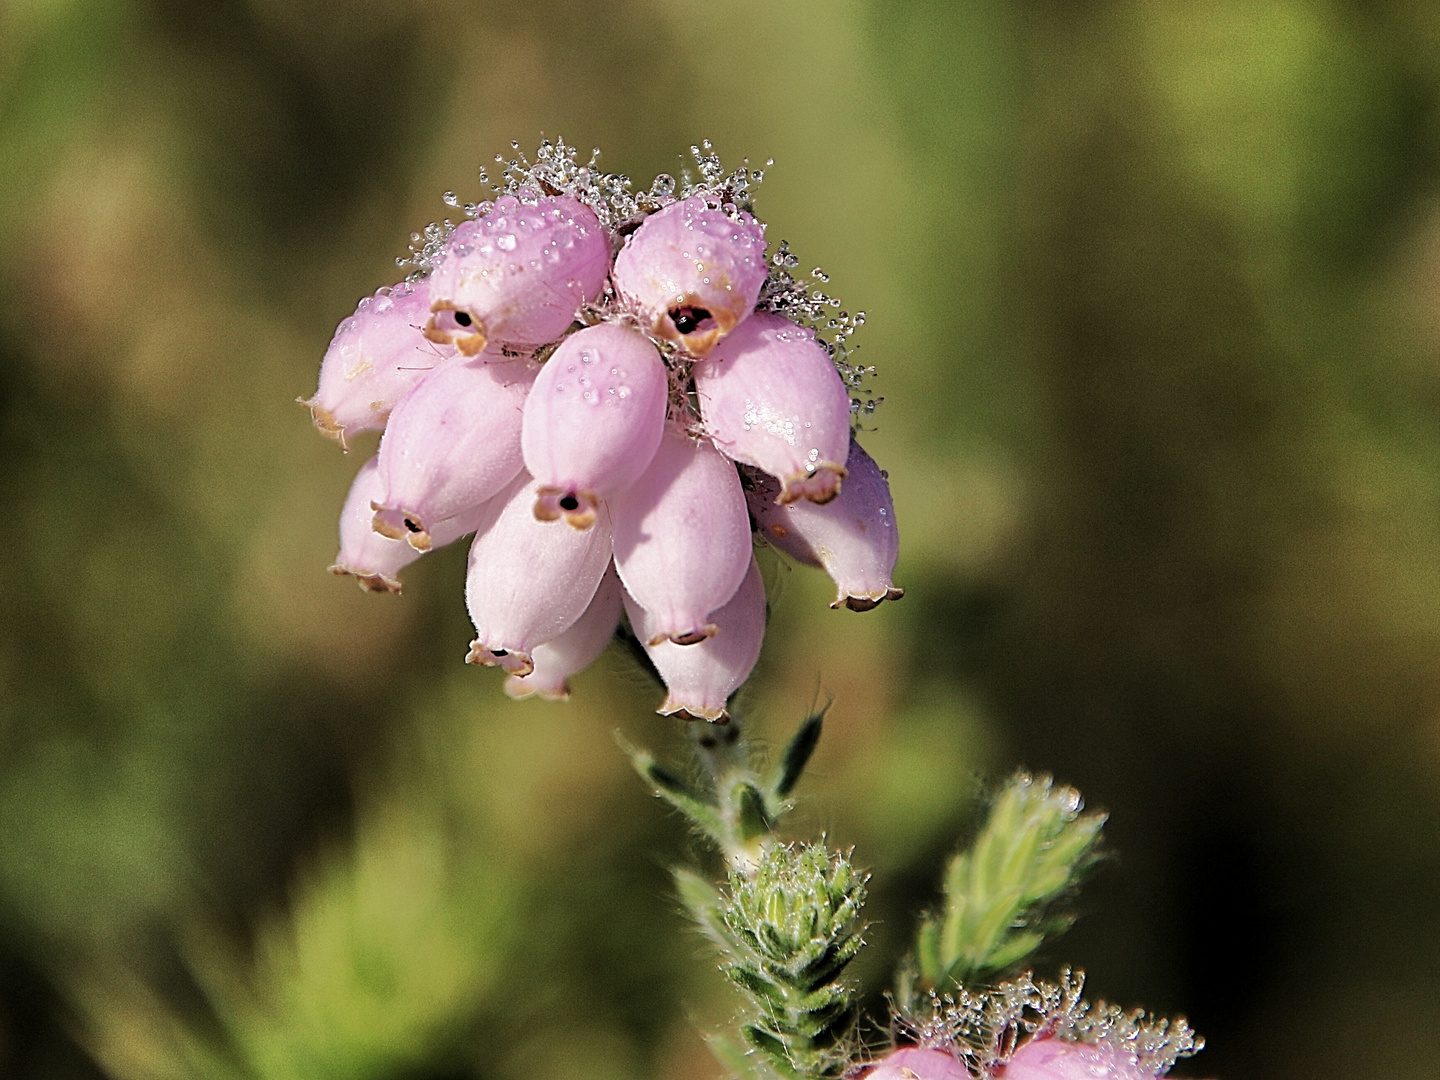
<point x="693" y="272"/>
<point x="854" y="537"/>
<point x="1056" y="1059"/>
<point x="528" y="582"/>
<point x="770" y="397"/>
<point x="700" y="678"/>
<point x="372" y="559"/>
<point x="574" y="650"/>
<point x="519" y="274"/>
<point x="913" y="1063"/>
<point x="593" y="420"/>
<point x="682" y="538"/>
<point x="451" y="445"/>
<point x="377" y="355"/>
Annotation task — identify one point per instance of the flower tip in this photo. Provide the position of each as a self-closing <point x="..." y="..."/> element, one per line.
<point x="866" y="601"/>
<point x="694" y="327"/>
<point x="325" y="422"/>
<point x="517" y="663"/>
<point x="819" y="486"/>
<point x="671" y="707"/>
<point x="398" y="525"/>
<point x="368" y="581"/>
<point x="579" y="508"/>
<point x="449" y="325"/>
<point x="686" y="637"/>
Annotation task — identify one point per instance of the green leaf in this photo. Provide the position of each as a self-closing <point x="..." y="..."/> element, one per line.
<point x="797" y="754"/>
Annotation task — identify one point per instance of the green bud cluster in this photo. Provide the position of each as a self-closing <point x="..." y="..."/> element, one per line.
<point x="1000" y="894"/>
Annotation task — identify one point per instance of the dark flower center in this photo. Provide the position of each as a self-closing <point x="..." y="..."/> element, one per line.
<point x="463" y="318"/>
<point x="686" y="319"/>
<point x="569" y="502"/>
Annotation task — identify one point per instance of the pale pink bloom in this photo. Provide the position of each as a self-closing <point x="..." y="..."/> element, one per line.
<point x="700" y="678"/>
<point x="528" y="582"/>
<point x="692" y="272"/>
<point x="519" y="274"/>
<point x="771" y="397"/>
<point x="854" y="538"/>
<point x="682" y="538"/>
<point x="377" y="355"/>
<point x="1056" y="1059"/>
<point x="593" y="420"/>
<point x="574" y="650"/>
<point x="914" y="1063"/>
<point x="451" y="445"/>
<point x="375" y="560"/>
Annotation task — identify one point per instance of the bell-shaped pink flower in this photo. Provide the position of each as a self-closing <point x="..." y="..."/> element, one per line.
<point x="377" y="355"/>
<point x="375" y="560"/>
<point x="771" y="397"/>
<point x="682" y="538"/>
<point x="519" y="274"/>
<point x="700" y="678"/>
<point x="692" y="272"/>
<point x="1056" y="1059"/>
<point x="915" y="1063"/>
<point x="574" y="650"/>
<point x="528" y="583"/>
<point x="854" y="537"/>
<point x="593" y="420"/>
<point x="451" y="445"/>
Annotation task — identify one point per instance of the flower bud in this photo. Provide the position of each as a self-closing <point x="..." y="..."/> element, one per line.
<point x="519" y="274"/>
<point x="373" y="559"/>
<point x="1056" y="1059"/>
<point x="377" y="355"/>
<point x="700" y="678"/>
<point x="854" y="537"/>
<point x="574" y="650"/>
<point x="692" y="272"/>
<point x="682" y="538"/>
<point x="593" y="420"/>
<point x="914" y="1063"/>
<point x="771" y="397"/>
<point x="451" y="445"/>
<point x="528" y="583"/>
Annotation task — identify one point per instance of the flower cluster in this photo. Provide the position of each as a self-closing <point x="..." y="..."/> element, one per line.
<point x="617" y="393"/>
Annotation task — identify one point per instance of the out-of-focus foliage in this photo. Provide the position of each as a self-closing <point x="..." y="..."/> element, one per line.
<point x="1154" y="287"/>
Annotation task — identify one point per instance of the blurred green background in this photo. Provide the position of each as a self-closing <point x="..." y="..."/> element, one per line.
<point x="1154" y="288"/>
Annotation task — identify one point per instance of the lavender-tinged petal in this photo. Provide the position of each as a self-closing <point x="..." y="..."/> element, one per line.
<point x="574" y="650"/>
<point x="528" y="583"/>
<point x="700" y="678"/>
<point x="682" y="538"/>
<point x="771" y="397"/>
<point x="593" y="420"/>
<point x="451" y="445"/>
<point x="1056" y="1059"/>
<point x="914" y="1063"/>
<point x="519" y="274"/>
<point x="376" y="357"/>
<point x="692" y="272"/>
<point x="855" y="537"/>
<point x="375" y="560"/>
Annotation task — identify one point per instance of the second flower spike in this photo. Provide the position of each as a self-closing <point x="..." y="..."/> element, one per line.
<point x="593" y="421"/>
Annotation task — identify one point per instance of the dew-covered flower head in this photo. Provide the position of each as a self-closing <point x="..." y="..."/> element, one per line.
<point x="622" y="394"/>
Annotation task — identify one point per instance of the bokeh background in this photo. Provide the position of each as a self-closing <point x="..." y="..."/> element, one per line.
<point x="1154" y="290"/>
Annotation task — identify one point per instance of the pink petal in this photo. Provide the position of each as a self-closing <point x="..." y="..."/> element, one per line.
<point x="854" y="538"/>
<point x="593" y="420"/>
<point x="377" y="355"/>
<point x="700" y="678"/>
<point x="574" y="650"/>
<point x="519" y="274"/>
<point x="528" y="583"/>
<point x="451" y="445"/>
<point x="914" y="1063"/>
<point x="1056" y="1059"/>
<point x="375" y="560"/>
<point x="682" y="537"/>
<point x="771" y="397"/>
<point x="692" y="272"/>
